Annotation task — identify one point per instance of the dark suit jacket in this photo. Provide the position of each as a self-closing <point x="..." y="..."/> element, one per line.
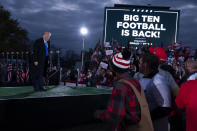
<point x="39" y="55"/>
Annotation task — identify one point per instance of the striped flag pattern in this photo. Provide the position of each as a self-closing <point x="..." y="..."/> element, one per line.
<point x="27" y="74"/>
<point x="17" y="75"/>
<point x="9" y="72"/>
<point x="21" y="72"/>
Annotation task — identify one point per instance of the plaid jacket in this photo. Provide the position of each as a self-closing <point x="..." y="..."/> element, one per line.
<point x="123" y="107"/>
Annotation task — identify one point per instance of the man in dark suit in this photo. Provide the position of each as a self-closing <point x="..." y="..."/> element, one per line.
<point x="41" y="49"/>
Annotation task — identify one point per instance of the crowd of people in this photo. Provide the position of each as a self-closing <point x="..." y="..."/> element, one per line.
<point x="168" y="79"/>
<point x="160" y="72"/>
<point x="96" y="71"/>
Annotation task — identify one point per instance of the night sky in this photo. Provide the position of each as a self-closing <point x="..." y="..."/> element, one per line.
<point x="64" y="18"/>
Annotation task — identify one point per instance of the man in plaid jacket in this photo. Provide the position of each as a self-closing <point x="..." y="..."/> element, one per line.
<point x="124" y="108"/>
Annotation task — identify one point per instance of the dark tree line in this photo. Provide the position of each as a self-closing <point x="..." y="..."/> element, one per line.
<point x="12" y="36"/>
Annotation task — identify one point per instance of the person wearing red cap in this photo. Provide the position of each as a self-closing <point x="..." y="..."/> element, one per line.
<point x="161" y="54"/>
<point x="174" y="117"/>
<point x="128" y="106"/>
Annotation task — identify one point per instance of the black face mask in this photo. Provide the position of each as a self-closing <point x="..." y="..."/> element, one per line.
<point x="152" y="74"/>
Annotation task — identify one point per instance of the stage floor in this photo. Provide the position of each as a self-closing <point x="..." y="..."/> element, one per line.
<point x="52" y="91"/>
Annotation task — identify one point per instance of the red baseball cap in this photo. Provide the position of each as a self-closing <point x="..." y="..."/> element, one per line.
<point x="161" y="54"/>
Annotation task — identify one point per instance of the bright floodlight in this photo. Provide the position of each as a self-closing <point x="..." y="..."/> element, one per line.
<point x="84" y="31"/>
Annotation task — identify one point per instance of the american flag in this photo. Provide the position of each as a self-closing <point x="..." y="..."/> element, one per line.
<point x="9" y="72"/>
<point x="18" y="75"/>
<point x="21" y="74"/>
<point x="27" y="73"/>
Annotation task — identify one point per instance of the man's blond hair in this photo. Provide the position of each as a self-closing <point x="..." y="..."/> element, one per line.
<point x="47" y="33"/>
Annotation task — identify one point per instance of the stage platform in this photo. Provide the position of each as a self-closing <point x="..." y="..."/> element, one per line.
<point x="52" y="91"/>
<point x="58" y="108"/>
